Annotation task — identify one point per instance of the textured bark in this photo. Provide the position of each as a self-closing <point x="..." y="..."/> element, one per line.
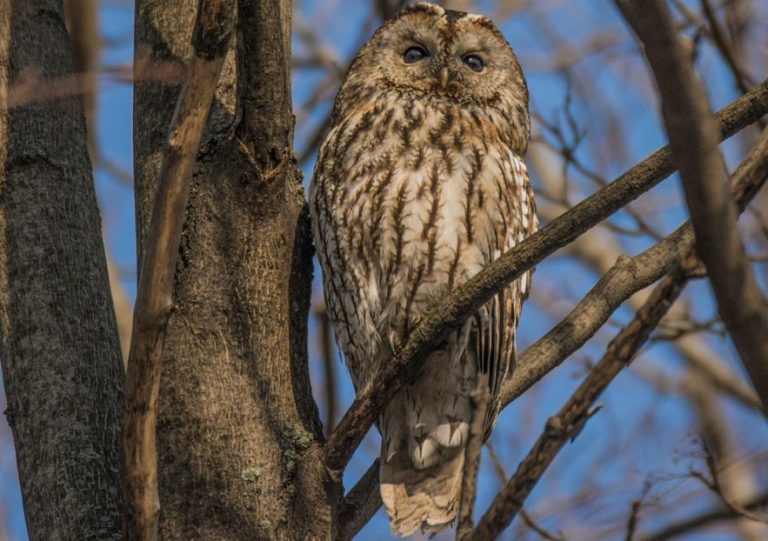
<point x="239" y="438"/>
<point x="58" y="339"/>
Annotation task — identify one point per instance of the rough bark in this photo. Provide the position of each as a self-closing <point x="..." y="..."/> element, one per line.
<point x="58" y="339"/>
<point x="239" y="438"/>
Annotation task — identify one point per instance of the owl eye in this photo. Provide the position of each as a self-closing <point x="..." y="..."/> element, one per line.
<point x="414" y="54"/>
<point x="474" y="62"/>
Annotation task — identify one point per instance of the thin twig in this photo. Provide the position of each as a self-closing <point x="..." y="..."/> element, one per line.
<point x="451" y="312"/>
<point x="213" y="31"/>
<point x="727" y="52"/>
<point x="329" y="366"/>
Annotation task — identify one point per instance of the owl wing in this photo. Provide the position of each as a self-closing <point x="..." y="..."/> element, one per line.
<point x="495" y="324"/>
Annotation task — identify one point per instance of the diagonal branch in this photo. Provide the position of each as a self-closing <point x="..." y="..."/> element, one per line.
<point x="360" y="504"/>
<point x="693" y="137"/>
<point x="717" y="514"/>
<point x="211" y="39"/>
<point x="451" y="312"/>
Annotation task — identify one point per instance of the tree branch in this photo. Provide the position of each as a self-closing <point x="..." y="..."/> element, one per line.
<point x="451" y="312"/>
<point x="211" y="39"/>
<point x="264" y="54"/>
<point x="360" y="503"/>
<point x="693" y="137"/>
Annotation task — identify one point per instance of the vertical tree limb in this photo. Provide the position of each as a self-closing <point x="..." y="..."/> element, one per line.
<point x="213" y="32"/>
<point x="693" y="137"/>
<point x="59" y="346"/>
<point x="264" y="54"/>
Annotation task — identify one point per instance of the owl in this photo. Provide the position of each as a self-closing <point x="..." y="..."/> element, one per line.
<point x="419" y="185"/>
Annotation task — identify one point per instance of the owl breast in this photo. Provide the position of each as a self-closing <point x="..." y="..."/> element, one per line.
<point x="410" y="199"/>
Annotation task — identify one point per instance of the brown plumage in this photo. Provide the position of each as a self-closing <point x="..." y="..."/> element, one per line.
<point x="419" y="185"/>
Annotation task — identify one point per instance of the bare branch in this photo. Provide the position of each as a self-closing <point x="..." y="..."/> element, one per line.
<point x="729" y="55"/>
<point x="693" y="136"/>
<point x="264" y="54"/>
<point x="360" y="503"/>
<point x="450" y="313"/>
<point x="213" y="31"/>
<point x="329" y="366"/>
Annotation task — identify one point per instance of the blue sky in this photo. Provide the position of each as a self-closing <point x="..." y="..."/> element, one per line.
<point x="609" y="453"/>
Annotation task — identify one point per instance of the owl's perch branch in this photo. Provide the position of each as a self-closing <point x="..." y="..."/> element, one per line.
<point x="628" y="276"/>
<point x="213" y="31"/>
<point x="693" y="138"/>
<point x="453" y="311"/>
<point x="480" y="399"/>
<point x="746" y="180"/>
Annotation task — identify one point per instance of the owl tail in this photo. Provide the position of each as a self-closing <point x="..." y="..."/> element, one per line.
<point x="421" y="499"/>
<point x="423" y="434"/>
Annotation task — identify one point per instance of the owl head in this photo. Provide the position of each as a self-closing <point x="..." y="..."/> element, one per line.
<point x="428" y="51"/>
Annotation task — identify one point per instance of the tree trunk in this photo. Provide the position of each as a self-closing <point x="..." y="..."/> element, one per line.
<point x="58" y="339"/>
<point x="239" y="436"/>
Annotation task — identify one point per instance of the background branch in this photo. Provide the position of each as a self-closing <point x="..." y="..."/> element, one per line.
<point x="717" y="514"/>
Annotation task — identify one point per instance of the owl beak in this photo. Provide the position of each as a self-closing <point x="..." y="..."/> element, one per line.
<point x="444" y="78"/>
